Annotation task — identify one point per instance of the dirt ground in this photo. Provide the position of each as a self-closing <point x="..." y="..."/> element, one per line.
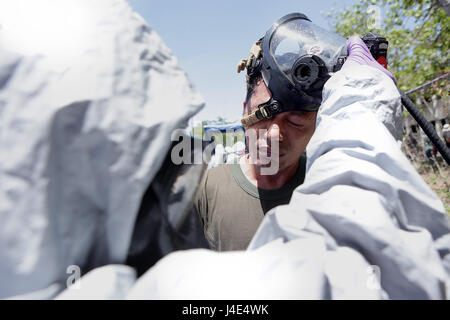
<point x="438" y="178"/>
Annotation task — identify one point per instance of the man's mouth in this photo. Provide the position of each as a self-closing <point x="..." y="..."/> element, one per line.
<point x="265" y="151"/>
<point x="268" y="152"/>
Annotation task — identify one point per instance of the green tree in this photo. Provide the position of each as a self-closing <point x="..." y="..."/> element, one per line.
<point x="419" y="50"/>
<point x="418" y="33"/>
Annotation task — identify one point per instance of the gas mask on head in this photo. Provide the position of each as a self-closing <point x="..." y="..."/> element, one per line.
<point x="295" y="58"/>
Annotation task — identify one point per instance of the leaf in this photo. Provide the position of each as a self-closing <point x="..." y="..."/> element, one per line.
<point x="419" y="48"/>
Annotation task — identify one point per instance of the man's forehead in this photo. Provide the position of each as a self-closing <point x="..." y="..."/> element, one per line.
<point x="295" y="113"/>
<point x="303" y="114"/>
<point x="261" y="94"/>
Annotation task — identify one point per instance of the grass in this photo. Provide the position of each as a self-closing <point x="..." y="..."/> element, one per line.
<point x="439" y="181"/>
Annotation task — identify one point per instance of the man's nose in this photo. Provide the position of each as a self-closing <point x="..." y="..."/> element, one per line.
<point x="274" y="131"/>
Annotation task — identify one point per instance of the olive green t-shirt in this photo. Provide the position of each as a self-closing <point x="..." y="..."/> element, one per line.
<point x="232" y="208"/>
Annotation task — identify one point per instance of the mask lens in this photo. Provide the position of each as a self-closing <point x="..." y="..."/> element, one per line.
<point x="298" y="37"/>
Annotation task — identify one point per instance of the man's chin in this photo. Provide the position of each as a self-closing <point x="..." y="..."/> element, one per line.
<point x="266" y="160"/>
<point x="268" y="163"/>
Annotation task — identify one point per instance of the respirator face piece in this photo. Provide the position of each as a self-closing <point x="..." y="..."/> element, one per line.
<point x="296" y="60"/>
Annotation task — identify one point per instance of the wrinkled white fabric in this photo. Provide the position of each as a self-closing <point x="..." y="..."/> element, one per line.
<point x="239" y="275"/>
<point x="363" y="225"/>
<point x="360" y="191"/>
<point x="89" y="96"/>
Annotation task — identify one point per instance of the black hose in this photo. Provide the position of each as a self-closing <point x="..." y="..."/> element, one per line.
<point x="429" y="83"/>
<point x="426" y="127"/>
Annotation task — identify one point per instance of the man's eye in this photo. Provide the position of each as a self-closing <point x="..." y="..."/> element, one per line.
<point x="295" y="123"/>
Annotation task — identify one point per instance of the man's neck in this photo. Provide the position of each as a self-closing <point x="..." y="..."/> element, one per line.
<point x="253" y="173"/>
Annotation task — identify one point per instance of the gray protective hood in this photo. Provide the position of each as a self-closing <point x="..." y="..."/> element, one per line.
<point x="89" y="97"/>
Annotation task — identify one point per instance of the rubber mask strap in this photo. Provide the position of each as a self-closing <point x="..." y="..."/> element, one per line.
<point x="265" y="110"/>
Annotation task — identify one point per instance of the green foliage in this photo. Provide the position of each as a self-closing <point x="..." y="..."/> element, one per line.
<point x="418" y="33"/>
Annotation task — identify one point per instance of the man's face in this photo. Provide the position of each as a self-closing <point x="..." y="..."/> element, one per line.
<point x="292" y="129"/>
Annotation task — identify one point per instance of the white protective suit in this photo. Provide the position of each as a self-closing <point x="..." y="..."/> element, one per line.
<point x="89" y="98"/>
<point x="362" y="215"/>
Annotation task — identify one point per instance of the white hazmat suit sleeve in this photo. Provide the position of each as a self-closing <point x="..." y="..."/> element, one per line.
<point x="361" y="192"/>
<point x="363" y="216"/>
